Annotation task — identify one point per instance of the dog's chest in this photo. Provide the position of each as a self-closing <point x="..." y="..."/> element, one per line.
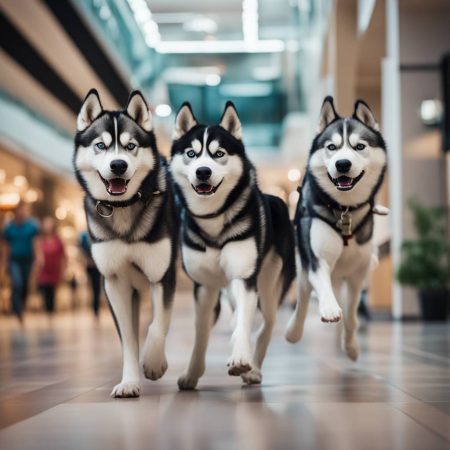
<point x="217" y="266"/>
<point x="204" y="267"/>
<point x="132" y="223"/>
<point x="353" y="258"/>
<point x="119" y="258"/>
<point x="327" y="244"/>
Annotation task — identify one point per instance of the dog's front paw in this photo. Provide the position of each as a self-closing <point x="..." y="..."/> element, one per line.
<point x="330" y="313"/>
<point x="155" y="368"/>
<point x="238" y="365"/>
<point x="294" y="330"/>
<point x="126" y="389"/>
<point x="352" y="350"/>
<point x="187" y="382"/>
<point x="154" y="362"/>
<point x="254" y="376"/>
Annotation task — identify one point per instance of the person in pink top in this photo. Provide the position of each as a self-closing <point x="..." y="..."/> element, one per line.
<point x="53" y="260"/>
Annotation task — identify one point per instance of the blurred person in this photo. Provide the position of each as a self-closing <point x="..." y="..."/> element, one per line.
<point x="19" y="254"/>
<point x="92" y="271"/>
<point x="52" y="262"/>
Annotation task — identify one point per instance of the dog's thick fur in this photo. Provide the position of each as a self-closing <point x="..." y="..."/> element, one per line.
<point x="233" y="237"/>
<point x="132" y="224"/>
<point x="345" y="170"/>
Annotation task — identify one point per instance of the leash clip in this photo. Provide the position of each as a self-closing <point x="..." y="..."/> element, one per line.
<point x="345" y="225"/>
<point x="104" y="209"/>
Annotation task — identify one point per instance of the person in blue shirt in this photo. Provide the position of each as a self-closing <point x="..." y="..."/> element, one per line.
<point x="20" y="238"/>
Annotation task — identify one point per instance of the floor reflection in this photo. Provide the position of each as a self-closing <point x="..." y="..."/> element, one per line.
<point x="55" y="380"/>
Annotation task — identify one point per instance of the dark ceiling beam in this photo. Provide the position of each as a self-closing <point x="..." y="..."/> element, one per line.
<point x="19" y="49"/>
<point x="75" y="27"/>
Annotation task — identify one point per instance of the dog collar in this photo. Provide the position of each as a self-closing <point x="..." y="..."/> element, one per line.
<point x="106" y="209"/>
<point x="206" y="216"/>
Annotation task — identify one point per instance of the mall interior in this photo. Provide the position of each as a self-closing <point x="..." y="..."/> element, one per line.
<point x="276" y="60"/>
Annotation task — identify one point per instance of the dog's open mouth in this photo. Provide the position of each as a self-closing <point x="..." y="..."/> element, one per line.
<point x="206" y="188"/>
<point x="115" y="186"/>
<point x="344" y="183"/>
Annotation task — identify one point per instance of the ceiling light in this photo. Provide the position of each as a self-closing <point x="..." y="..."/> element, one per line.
<point x="294" y="175"/>
<point x="250" y="20"/>
<point x="9" y="200"/>
<point x="212" y="79"/>
<point x="20" y="181"/>
<point x="61" y="213"/>
<point x="185" y="47"/>
<point x="31" y="196"/>
<point x="144" y="19"/>
<point x="201" y="24"/>
<point x="431" y="112"/>
<point x="163" y="110"/>
<point x="266" y="73"/>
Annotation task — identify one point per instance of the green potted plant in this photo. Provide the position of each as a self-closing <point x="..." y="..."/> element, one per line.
<point x="425" y="261"/>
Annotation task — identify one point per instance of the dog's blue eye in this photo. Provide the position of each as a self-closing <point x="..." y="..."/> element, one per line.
<point x="100" y="145"/>
<point x="360" y="147"/>
<point x="131" y="146"/>
<point x="219" y="154"/>
<point x="190" y="153"/>
<point x="331" y="147"/>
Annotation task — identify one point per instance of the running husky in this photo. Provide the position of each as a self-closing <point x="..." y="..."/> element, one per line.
<point x="132" y="223"/>
<point x="335" y="217"/>
<point x="233" y="236"/>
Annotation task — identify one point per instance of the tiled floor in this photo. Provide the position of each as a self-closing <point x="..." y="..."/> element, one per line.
<point x="55" y="379"/>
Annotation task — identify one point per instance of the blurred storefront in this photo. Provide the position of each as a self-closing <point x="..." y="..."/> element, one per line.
<point x="48" y="194"/>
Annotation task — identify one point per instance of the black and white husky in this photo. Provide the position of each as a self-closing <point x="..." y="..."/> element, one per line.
<point x="132" y="223"/>
<point x="233" y="237"/>
<point x="335" y="217"/>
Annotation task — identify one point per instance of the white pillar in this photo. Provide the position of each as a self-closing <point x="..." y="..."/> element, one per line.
<point x="391" y="115"/>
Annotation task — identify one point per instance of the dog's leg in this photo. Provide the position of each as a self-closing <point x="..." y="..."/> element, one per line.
<point x="153" y="357"/>
<point x="354" y="287"/>
<point x="205" y="301"/>
<point x="329" y="309"/>
<point x="294" y="331"/>
<point x="246" y="302"/>
<point x="120" y="295"/>
<point x="327" y="246"/>
<point x="269" y="303"/>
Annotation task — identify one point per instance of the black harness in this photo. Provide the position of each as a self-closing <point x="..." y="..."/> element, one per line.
<point x="343" y="223"/>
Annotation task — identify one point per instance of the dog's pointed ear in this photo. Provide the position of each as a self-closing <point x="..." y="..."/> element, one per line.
<point x="230" y="120"/>
<point x="328" y="114"/>
<point x="90" y="110"/>
<point x="184" y="121"/>
<point x="137" y="109"/>
<point x="364" y="114"/>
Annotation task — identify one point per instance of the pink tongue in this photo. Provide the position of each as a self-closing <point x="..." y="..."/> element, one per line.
<point x="345" y="181"/>
<point x="204" y="188"/>
<point x="117" y="186"/>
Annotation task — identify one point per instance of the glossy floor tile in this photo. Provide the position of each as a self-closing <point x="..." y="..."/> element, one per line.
<point x="56" y="376"/>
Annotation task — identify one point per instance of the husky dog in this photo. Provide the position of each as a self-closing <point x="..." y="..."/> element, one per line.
<point x="132" y="224"/>
<point x="335" y="217"/>
<point x="233" y="237"/>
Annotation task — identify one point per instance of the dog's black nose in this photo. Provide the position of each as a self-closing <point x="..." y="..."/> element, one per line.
<point x="118" y="166"/>
<point x="343" y="165"/>
<point x="203" y="173"/>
